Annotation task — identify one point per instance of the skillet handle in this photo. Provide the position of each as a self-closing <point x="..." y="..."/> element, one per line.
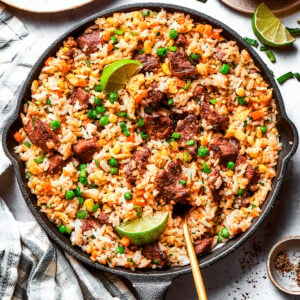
<point x="151" y="289"/>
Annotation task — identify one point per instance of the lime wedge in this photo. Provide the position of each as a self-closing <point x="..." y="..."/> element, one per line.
<point x="115" y="75"/>
<point x="269" y="29"/>
<point x="144" y="230"/>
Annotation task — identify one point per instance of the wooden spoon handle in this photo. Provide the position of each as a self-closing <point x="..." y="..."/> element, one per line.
<point x="198" y="280"/>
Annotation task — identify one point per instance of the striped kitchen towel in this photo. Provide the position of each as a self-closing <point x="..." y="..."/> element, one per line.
<point x="31" y="266"/>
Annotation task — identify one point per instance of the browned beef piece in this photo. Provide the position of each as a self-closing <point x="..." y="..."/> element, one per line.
<point x="56" y="163"/>
<point x="213" y="182"/>
<point x="150" y="62"/>
<point x="158" y="126"/>
<point x="180" y="66"/>
<point x="81" y="96"/>
<point x="103" y="218"/>
<point x="167" y="182"/>
<point x="89" y="223"/>
<point x="89" y="42"/>
<point x="137" y="163"/>
<point x="178" y="114"/>
<point x="200" y="93"/>
<point x="202" y="246"/>
<point x="85" y="149"/>
<point x="218" y="121"/>
<point x="155" y="95"/>
<point x="40" y="133"/>
<point x="250" y="173"/>
<point x="153" y="253"/>
<point x="181" y="40"/>
<point x="188" y="127"/>
<point x="225" y="149"/>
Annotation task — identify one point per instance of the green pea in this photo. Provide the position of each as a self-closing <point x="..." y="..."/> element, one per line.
<point x="162" y="52"/>
<point x="190" y="142"/>
<point x="27" y="144"/>
<point x="202" y="151"/>
<point x="77" y="191"/>
<point x="69" y="195"/>
<point x="100" y="110"/>
<point x="170" y="101"/>
<point x="183" y="182"/>
<point x="62" y="228"/>
<point x="128" y="196"/>
<point x="173" y="34"/>
<point x="240" y="192"/>
<point x="156" y="261"/>
<point x="103" y="120"/>
<point x="82" y="167"/>
<point x="113" y="162"/>
<point x="263" y="129"/>
<point x="176" y="135"/>
<point x="97" y="88"/>
<point x="120" y="250"/>
<point x="206" y="169"/>
<point x="224" y="69"/>
<point x="68" y="230"/>
<point x="83" y="180"/>
<point x="81" y="214"/>
<point x="95" y="207"/>
<point x="114" y="170"/>
<point x="90" y="114"/>
<point x="225" y="233"/>
<point x="113" y="96"/>
<point x="55" y="124"/>
<point x="194" y="56"/>
<point x="97" y="100"/>
<point x="231" y="165"/>
<point x="241" y="100"/>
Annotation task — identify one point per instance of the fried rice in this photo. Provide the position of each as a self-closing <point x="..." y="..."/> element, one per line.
<point x="224" y="159"/>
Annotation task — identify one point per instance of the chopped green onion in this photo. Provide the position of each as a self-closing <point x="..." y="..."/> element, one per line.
<point x="119" y="250"/>
<point x="124" y="129"/>
<point x="82" y="167"/>
<point x="83" y="180"/>
<point x="141" y="51"/>
<point x="80" y="200"/>
<point x="95" y="207"/>
<point x="202" y="151"/>
<point x="87" y="62"/>
<point x="183" y="182"/>
<point x="55" y="124"/>
<point x="187" y="85"/>
<point x="113" y="96"/>
<point x="263" y="48"/>
<point x="156" y="261"/>
<point x="139" y="210"/>
<point x="251" y="42"/>
<point x="285" y="77"/>
<point x="172" y="48"/>
<point x="190" y="142"/>
<point x="206" y="168"/>
<point x="176" y="135"/>
<point x="33" y="122"/>
<point x="240" y="192"/>
<point x="97" y="88"/>
<point x="297" y="76"/>
<point x="40" y="158"/>
<point x="119" y="32"/>
<point x="224" y="69"/>
<point x="97" y="101"/>
<point x="141" y="122"/>
<point x="146" y="13"/>
<point x="294" y="31"/>
<point x="114" y="39"/>
<point x="122" y="114"/>
<point x="77" y="191"/>
<point x="144" y="136"/>
<point x="27" y="144"/>
<point x="213" y="101"/>
<point x="194" y="56"/>
<point x="241" y="100"/>
<point x="271" y="55"/>
<point x="48" y="102"/>
<point x="220" y="238"/>
<point x="253" y="206"/>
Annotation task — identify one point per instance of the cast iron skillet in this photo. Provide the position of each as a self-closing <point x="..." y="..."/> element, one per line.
<point x="151" y="284"/>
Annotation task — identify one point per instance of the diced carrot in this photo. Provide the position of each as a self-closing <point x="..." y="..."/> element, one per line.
<point x="256" y="115"/>
<point x="207" y="29"/>
<point x="139" y="201"/>
<point x="140" y="193"/>
<point x="199" y="28"/>
<point x="64" y="68"/>
<point x="74" y="43"/>
<point x="181" y="21"/>
<point x="110" y="47"/>
<point x="48" y="61"/>
<point x="140" y="96"/>
<point x="180" y="83"/>
<point x="106" y="35"/>
<point x="82" y="83"/>
<point x="143" y="25"/>
<point x="18" y="136"/>
<point x="130" y="138"/>
<point x="215" y="35"/>
<point x="125" y="241"/>
<point x="154" y="24"/>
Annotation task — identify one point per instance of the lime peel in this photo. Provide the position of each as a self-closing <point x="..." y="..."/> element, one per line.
<point x="145" y="230"/>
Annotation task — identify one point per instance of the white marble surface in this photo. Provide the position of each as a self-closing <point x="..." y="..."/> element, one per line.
<point x="232" y="277"/>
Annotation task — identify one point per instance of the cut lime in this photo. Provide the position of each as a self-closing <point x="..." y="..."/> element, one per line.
<point x="144" y="230"/>
<point x="115" y="75"/>
<point x="269" y="29"/>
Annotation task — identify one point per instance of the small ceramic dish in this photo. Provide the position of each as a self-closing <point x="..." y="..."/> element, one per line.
<point x="285" y="281"/>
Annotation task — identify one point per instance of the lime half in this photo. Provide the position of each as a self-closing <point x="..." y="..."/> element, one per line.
<point x="144" y="230"/>
<point x="269" y="29"/>
<point x="115" y="75"/>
